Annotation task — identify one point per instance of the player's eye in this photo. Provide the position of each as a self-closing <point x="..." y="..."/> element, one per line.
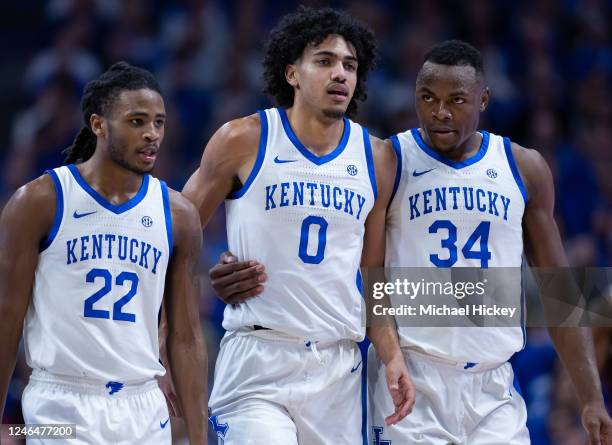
<point x="350" y="66"/>
<point x="427" y="98"/>
<point x="323" y="62"/>
<point x="159" y="123"/>
<point x="458" y="100"/>
<point x="136" y="122"/>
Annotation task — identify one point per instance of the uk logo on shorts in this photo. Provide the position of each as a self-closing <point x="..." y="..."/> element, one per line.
<point x="378" y="431"/>
<point x="114" y="387"/>
<point x="220" y="428"/>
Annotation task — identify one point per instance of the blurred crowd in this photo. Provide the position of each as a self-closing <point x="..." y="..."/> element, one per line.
<point x="548" y="64"/>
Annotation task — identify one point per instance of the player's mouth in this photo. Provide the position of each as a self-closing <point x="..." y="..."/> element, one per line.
<point x="148" y="153"/>
<point x="339" y="93"/>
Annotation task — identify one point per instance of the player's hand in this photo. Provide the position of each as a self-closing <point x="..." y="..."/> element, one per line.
<point x="235" y="281"/>
<point x="597" y="423"/>
<point x="167" y="387"/>
<point x="401" y="389"/>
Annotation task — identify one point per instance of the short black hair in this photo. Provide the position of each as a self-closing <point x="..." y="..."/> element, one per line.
<point x="99" y="97"/>
<point x="307" y="26"/>
<point x="455" y="52"/>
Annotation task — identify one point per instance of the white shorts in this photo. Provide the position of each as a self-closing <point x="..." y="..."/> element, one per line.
<point x="133" y="414"/>
<point x="456" y="403"/>
<point x="275" y="390"/>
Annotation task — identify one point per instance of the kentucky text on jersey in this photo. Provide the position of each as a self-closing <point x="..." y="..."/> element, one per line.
<point x="110" y="246"/>
<point x="316" y="195"/>
<point x="440" y="199"/>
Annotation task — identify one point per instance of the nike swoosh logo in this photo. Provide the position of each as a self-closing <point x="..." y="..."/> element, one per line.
<point x="416" y="173"/>
<point x="80" y="215"/>
<point x="355" y="368"/>
<point x="163" y="424"/>
<point x="283" y="161"/>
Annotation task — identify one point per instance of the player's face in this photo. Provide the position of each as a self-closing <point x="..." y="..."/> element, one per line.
<point x="136" y="129"/>
<point x="448" y="101"/>
<point x="325" y="76"/>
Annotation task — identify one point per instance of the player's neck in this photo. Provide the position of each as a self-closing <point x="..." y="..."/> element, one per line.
<point x="318" y="133"/>
<point x="114" y="182"/>
<point x="461" y="152"/>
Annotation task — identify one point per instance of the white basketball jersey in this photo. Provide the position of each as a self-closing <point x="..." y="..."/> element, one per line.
<point x="302" y="216"/>
<point x="458" y="214"/>
<point x="99" y="283"/>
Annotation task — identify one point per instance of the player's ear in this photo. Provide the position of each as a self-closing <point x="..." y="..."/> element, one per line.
<point x="97" y="124"/>
<point x="291" y="75"/>
<point x="484" y="99"/>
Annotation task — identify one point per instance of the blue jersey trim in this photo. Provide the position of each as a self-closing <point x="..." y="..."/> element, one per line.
<point x="59" y="210"/>
<point x="261" y="153"/>
<point x="370" y="160"/>
<point x="397" y="148"/>
<point x="359" y="282"/>
<point x="167" y="214"/>
<point x="484" y="145"/>
<point x="514" y="168"/>
<point x="318" y="160"/>
<point x="117" y="209"/>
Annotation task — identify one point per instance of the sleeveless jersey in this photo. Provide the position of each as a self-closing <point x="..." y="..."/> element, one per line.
<point x="458" y="214"/>
<point x="302" y="216"/>
<point x="99" y="283"/>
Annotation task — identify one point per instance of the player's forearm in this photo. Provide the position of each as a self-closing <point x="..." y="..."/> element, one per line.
<point x="576" y="350"/>
<point x="189" y="366"/>
<point x="11" y="325"/>
<point x="385" y="341"/>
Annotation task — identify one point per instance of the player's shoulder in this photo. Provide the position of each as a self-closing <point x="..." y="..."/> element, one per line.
<point x="241" y="132"/>
<point x="37" y="194"/>
<point x="382" y="150"/>
<point x="531" y="165"/>
<point x="33" y="205"/>
<point x="184" y="214"/>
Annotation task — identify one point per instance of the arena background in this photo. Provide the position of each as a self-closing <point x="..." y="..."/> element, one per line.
<point x="548" y="64"/>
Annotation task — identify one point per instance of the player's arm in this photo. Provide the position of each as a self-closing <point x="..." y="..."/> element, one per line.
<point x="186" y="352"/>
<point x="382" y="331"/>
<point x="227" y="161"/>
<point x="25" y="221"/>
<point x="543" y="248"/>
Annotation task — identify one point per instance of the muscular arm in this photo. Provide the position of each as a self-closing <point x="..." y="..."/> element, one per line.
<point x="227" y="160"/>
<point x="186" y="352"/>
<point x="543" y="248"/>
<point x="25" y="221"/>
<point x="383" y="332"/>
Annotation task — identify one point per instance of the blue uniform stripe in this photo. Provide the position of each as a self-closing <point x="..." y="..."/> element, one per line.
<point x="370" y="160"/>
<point x="261" y="153"/>
<point x="117" y="209"/>
<point x="307" y="153"/>
<point x="167" y="214"/>
<point x="514" y="168"/>
<point x="59" y="210"/>
<point x="397" y="148"/>
<point x="484" y="146"/>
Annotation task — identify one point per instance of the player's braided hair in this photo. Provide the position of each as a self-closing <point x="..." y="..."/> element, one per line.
<point x="311" y="26"/>
<point x="99" y="97"/>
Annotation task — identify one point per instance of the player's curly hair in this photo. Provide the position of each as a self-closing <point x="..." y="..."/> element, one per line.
<point x="99" y="97"/>
<point x="455" y="52"/>
<point x="311" y="26"/>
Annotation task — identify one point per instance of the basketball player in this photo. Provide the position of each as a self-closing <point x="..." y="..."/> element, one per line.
<point x="86" y="252"/>
<point x="300" y="181"/>
<point x="469" y="198"/>
<point x="465" y="392"/>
